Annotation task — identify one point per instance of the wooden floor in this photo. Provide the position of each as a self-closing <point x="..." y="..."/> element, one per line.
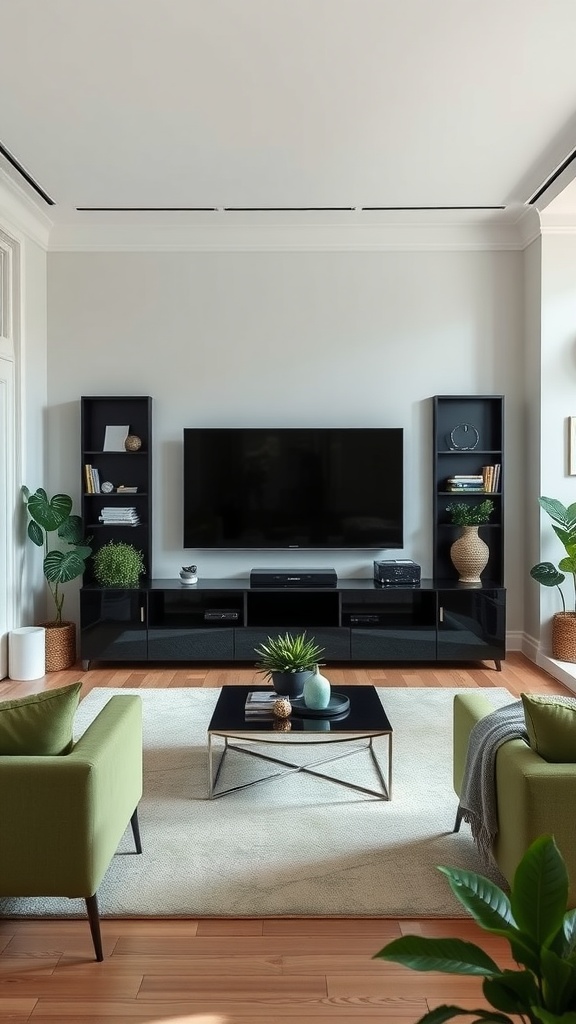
<point x="238" y="971"/>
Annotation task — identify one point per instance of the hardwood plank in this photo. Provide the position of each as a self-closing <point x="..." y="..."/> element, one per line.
<point x="58" y="986"/>
<point x="225" y="945"/>
<point x="408" y="984"/>
<point x="239" y="987"/>
<point x="217" y="926"/>
<point x="16" y="1010"/>
<point x="385" y="929"/>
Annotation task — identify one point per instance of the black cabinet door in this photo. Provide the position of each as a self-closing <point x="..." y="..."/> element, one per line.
<point x="471" y="624"/>
<point x="113" y="625"/>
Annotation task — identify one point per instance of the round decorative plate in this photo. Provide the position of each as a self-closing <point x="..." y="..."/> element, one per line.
<point x="338" y="705"/>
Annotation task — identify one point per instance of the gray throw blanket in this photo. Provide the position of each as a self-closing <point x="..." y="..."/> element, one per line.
<point x="478" y="792"/>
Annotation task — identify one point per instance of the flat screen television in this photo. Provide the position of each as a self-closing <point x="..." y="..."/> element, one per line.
<point x="293" y="488"/>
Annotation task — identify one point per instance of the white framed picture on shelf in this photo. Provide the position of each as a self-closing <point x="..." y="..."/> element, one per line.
<point x="114" y="438"/>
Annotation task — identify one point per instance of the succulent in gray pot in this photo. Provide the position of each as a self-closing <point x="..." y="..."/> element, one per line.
<point x="117" y="564"/>
<point x="287" y="661"/>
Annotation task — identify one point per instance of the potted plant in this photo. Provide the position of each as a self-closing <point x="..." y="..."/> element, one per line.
<point x="546" y="573"/>
<point x="47" y="517"/>
<point x="535" y="922"/>
<point x="469" y="553"/>
<point x="117" y="564"/>
<point x="287" y="661"/>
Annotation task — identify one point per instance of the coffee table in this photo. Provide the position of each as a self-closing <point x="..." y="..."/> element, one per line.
<point x="365" y="721"/>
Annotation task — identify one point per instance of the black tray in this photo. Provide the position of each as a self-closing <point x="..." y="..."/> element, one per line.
<point x="338" y="706"/>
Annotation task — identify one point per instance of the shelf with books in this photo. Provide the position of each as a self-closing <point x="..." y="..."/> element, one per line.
<point x="468" y="457"/>
<point x="106" y="472"/>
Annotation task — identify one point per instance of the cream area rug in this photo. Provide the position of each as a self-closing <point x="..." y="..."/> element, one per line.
<point x="297" y="846"/>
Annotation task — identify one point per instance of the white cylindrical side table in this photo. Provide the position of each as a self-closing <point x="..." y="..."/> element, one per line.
<point x="27" y="653"/>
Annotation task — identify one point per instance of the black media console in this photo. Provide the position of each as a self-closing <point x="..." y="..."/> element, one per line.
<point x="219" y="620"/>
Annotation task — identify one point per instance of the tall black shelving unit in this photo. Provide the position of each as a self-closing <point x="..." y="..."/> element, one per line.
<point x="468" y="433"/>
<point x="127" y="468"/>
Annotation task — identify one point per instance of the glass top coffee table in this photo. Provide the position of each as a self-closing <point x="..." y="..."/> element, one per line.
<point x="365" y="720"/>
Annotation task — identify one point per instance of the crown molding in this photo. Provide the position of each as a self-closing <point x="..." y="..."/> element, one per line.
<point x="309" y="231"/>
<point x="20" y="215"/>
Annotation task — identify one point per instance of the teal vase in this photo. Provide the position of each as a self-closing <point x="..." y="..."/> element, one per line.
<point x="316" y="691"/>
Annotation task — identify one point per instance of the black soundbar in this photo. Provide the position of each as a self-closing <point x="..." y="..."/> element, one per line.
<point x="293" y="578"/>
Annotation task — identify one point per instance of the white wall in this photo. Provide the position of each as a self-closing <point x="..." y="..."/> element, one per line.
<point x="558" y="396"/>
<point x="531" y="465"/>
<point x="287" y="338"/>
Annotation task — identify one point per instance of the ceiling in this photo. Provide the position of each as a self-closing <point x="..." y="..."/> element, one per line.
<point x="156" y="105"/>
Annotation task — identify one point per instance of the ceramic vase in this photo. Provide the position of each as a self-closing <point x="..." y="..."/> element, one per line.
<point x="469" y="555"/>
<point x="316" y="690"/>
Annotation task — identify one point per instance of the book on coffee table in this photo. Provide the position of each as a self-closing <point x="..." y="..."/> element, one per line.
<point x="260" y="702"/>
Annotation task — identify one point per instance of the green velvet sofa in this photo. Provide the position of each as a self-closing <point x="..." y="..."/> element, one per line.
<point x="534" y="797"/>
<point x="62" y="817"/>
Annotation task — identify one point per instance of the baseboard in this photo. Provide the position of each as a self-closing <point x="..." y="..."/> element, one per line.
<point x="564" y="671"/>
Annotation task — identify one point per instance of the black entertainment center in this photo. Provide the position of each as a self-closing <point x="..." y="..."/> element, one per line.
<point x="354" y="620"/>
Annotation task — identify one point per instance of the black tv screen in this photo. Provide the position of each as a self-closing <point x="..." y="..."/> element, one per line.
<point x="293" y="487"/>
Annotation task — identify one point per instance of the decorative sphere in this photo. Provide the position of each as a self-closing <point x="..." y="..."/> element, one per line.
<point x="281" y="708"/>
<point x="132" y="443"/>
<point x="282" y="725"/>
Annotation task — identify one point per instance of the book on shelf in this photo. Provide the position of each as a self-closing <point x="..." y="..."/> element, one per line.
<point x="95" y="480"/>
<point x="491" y="475"/>
<point x="88" y="481"/>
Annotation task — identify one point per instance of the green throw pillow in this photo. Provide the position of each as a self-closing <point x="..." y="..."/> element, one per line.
<point x="40" y="723"/>
<point x="551" y="726"/>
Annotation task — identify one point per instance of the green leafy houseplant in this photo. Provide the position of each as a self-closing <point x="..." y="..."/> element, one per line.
<point x="564" y="526"/>
<point x="470" y="515"/>
<point x="288" y="654"/>
<point x="535" y="922"/>
<point x="49" y="516"/>
<point x="117" y="564"/>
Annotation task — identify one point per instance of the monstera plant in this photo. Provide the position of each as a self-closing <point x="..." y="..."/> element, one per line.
<point x="541" y="933"/>
<point x="548" y="575"/>
<point x="52" y="527"/>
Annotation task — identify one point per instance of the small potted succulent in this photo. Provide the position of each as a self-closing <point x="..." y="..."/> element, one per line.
<point x="469" y="553"/>
<point x="288" y="661"/>
<point x="117" y="564"/>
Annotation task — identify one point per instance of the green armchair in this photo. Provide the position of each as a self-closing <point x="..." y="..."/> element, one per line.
<point x="62" y="817"/>
<point x="534" y="797"/>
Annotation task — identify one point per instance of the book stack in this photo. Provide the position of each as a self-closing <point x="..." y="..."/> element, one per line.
<point x="259" y="703"/>
<point x="491" y="477"/>
<point x="470" y="483"/>
<point x="91" y="479"/>
<point x="119" y="516"/>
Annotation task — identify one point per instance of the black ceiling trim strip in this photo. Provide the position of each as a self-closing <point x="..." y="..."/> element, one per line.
<point x="550" y="181"/>
<point x="282" y="209"/>
<point x="27" y="177"/>
<point x="416" y="208"/>
<point x="145" y="209"/>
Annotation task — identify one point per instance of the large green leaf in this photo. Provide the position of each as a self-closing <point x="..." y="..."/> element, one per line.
<point x="513" y="991"/>
<point x="50" y="514"/>
<point x="62" y="566"/>
<point x="443" y="1013"/>
<point x="489" y="906"/>
<point x="35" y="533"/>
<point x="553" y="1018"/>
<point x="547" y="574"/>
<point x="71" y="530"/>
<point x="540" y="890"/>
<point x="558" y="982"/>
<point x="565" y="517"/>
<point x="451" y="956"/>
<point x="568" y="564"/>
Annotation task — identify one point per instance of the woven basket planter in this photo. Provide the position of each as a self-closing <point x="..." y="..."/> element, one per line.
<point x="564" y="636"/>
<point x="60" y="645"/>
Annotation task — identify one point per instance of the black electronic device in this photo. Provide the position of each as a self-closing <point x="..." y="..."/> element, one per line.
<point x="293" y="578"/>
<point x="221" y="615"/>
<point x="396" y="572"/>
<point x="314" y="488"/>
